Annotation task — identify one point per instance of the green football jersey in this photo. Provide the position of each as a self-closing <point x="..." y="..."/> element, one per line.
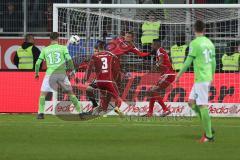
<point x="55" y="57"/>
<point x="202" y="50"/>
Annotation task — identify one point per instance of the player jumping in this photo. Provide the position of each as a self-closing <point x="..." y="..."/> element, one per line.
<point x="164" y="66"/>
<point x="107" y="69"/>
<point x="202" y="53"/>
<point x="56" y="57"/>
<point x="124" y="45"/>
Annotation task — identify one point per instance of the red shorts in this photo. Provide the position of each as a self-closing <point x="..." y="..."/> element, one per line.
<point x="166" y="80"/>
<point x="109" y="86"/>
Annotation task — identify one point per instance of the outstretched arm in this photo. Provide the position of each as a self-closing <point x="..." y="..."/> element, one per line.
<point x="186" y="65"/>
<point x="138" y="52"/>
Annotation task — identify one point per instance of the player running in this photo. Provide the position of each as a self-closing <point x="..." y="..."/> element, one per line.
<point x="167" y="76"/>
<point x="202" y="53"/>
<point x="56" y="57"/>
<point x="107" y="67"/>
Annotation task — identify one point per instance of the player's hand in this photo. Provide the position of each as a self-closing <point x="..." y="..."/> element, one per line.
<point x="36" y="76"/>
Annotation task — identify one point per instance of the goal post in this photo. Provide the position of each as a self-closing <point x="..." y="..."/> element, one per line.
<point x="94" y="22"/>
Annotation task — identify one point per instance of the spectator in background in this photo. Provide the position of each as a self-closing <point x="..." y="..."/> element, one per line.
<point x="27" y="55"/>
<point x="12" y="19"/>
<point x="178" y="52"/>
<point x="231" y="60"/>
<point x="150" y="30"/>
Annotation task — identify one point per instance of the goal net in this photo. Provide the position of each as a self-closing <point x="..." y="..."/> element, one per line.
<point x="106" y="22"/>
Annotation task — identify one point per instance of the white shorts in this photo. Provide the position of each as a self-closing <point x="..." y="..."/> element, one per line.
<point x="199" y="93"/>
<point x="52" y="82"/>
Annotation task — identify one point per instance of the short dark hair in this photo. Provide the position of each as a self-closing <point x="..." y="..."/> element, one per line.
<point x="100" y="45"/>
<point x="199" y="26"/>
<point x="27" y="37"/>
<point x="54" y="35"/>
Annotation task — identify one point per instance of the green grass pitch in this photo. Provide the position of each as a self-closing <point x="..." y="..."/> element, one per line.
<point x="22" y="137"/>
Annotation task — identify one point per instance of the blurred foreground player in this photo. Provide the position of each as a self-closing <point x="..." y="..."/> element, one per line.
<point x="167" y="76"/>
<point x="56" y="57"/>
<point x="107" y="69"/>
<point x="202" y="54"/>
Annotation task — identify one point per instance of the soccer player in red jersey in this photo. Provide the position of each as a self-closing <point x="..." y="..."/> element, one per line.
<point x="164" y="66"/>
<point x="107" y="69"/>
<point x="123" y="45"/>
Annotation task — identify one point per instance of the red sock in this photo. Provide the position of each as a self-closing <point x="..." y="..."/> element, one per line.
<point x="151" y="105"/>
<point x="160" y="101"/>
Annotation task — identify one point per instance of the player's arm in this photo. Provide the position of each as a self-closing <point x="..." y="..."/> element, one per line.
<point x="188" y="62"/>
<point x="138" y="52"/>
<point x="68" y="58"/>
<point x="38" y="63"/>
<point x="89" y="70"/>
<point x="186" y="65"/>
<point x="213" y="64"/>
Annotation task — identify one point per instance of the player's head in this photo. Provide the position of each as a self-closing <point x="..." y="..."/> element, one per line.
<point x="151" y="17"/>
<point x="29" y="38"/>
<point x="54" y="36"/>
<point x="100" y="46"/>
<point x="129" y="36"/>
<point x="199" y="27"/>
<point x="156" y="44"/>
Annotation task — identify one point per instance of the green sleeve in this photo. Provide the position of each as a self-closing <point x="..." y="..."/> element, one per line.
<point x="68" y="58"/>
<point x="192" y="50"/>
<point x="37" y="66"/>
<point x="186" y="65"/>
<point x="39" y="61"/>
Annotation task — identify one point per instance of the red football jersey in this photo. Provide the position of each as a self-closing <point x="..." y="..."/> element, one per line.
<point x="107" y="66"/>
<point x="166" y="65"/>
<point x="119" y="47"/>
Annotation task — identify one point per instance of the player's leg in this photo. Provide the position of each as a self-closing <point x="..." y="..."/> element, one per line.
<point x="198" y="101"/>
<point x="202" y="102"/>
<point x="66" y="85"/>
<point x="152" y="100"/>
<point x="156" y="94"/>
<point x="45" y="88"/>
<point x="165" y="84"/>
<point x="113" y="90"/>
<point x="90" y="93"/>
<point x="41" y="105"/>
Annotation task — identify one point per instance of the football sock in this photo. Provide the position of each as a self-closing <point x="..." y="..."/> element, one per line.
<point x="160" y="101"/>
<point x="75" y="102"/>
<point x="206" y="121"/>
<point x="196" y="110"/>
<point x="151" y="105"/>
<point x="41" y="104"/>
<point x="94" y="102"/>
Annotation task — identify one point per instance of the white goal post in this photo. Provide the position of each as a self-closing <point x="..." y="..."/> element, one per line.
<point x="94" y="22"/>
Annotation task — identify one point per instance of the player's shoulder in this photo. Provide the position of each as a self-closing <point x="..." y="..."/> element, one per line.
<point x="161" y="51"/>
